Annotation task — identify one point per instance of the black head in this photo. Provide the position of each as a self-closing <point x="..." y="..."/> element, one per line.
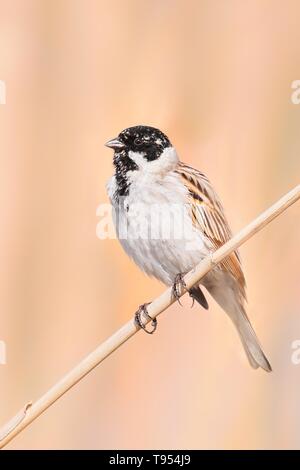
<point x="147" y="140"/>
<point x="143" y="142"/>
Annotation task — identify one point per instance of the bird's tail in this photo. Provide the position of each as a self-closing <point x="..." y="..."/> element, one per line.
<point x="230" y="301"/>
<point x="251" y="344"/>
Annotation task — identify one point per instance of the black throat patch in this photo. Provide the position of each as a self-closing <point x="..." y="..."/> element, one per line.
<point x="123" y="164"/>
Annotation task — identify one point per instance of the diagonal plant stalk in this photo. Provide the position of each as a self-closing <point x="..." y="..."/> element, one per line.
<point x="32" y="410"/>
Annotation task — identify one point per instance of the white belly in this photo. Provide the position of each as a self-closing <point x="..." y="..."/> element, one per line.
<point x="155" y="228"/>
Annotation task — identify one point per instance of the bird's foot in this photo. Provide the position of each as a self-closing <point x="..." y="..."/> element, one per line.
<point x="178" y="286"/>
<point x="142" y="310"/>
<point x="193" y="299"/>
<point x="197" y="294"/>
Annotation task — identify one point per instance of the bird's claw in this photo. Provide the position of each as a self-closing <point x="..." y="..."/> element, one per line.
<point x="138" y="319"/>
<point x="179" y="284"/>
<point x="193" y="299"/>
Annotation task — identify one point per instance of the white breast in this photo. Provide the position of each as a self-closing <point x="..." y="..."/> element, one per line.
<point x="154" y="225"/>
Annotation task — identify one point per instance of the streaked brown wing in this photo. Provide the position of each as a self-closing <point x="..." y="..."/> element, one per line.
<point x="208" y="214"/>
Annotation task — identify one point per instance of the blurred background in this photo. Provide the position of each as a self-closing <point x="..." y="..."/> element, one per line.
<point x="216" y="77"/>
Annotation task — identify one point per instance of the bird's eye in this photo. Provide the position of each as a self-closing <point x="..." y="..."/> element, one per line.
<point x="138" y="141"/>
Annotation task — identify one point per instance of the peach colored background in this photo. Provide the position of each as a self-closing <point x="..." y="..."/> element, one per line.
<point x="216" y="77"/>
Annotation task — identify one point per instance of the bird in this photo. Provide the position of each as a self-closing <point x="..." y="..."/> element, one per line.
<point x="153" y="190"/>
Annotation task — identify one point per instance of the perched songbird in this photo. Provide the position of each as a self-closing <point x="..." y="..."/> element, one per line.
<point x="168" y="218"/>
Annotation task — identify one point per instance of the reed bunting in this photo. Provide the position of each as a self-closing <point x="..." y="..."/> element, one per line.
<point x="149" y="176"/>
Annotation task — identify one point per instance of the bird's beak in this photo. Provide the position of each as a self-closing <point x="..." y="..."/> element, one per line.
<point x="115" y="144"/>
